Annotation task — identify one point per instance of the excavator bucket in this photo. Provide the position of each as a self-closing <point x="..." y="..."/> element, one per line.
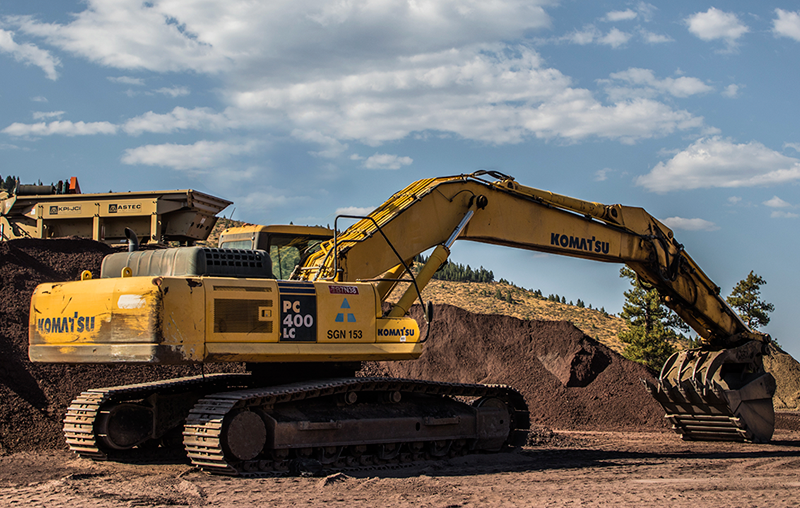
<point x="721" y="395"/>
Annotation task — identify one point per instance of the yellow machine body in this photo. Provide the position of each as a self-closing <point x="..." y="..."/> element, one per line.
<point x="184" y="320"/>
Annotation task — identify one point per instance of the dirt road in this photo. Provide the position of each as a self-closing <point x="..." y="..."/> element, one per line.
<point x="568" y="469"/>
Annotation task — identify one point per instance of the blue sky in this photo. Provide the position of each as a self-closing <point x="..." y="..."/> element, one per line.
<point x="299" y="110"/>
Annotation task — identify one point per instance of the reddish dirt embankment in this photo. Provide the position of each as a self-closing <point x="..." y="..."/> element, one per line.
<point x="568" y="379"/>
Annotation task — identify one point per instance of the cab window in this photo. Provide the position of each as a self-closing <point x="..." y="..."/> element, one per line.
<point x="286" y="252"/>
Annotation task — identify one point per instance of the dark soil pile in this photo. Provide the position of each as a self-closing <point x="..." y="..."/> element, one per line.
<point x="34" y="397"/>
<point x="569" y="380"/>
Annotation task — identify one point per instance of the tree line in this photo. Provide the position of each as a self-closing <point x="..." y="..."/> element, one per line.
<point x="9" y="184"/>
<point x="456" y="272"/>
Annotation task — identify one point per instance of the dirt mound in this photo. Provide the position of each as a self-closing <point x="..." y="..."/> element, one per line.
<point x="34" y="397"/>
<point x="568" y="379"/>
<point x="786" y="371"/>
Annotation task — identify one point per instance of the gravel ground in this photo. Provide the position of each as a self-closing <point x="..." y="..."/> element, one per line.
<point x="570" y="468"/>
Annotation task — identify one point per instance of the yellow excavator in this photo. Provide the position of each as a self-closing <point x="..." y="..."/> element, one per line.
<point x="302" y="336"/>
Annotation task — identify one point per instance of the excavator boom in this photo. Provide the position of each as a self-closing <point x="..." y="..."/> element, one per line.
<point x="425" y="213"/>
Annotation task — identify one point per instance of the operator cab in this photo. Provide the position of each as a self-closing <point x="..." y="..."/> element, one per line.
<point x="287" y="245"/>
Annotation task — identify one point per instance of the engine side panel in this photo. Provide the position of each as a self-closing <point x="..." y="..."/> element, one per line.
<point x="182" y="320"/>
<point x="97" y="321"/>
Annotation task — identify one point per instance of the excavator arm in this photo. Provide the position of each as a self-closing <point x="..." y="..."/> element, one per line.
<point x="719" y="391"/>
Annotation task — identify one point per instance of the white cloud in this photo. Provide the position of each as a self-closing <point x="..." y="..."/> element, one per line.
<point x="734" y="200"/>
<point x="174" y="91"/>
<point x="679" y="223"/>
<point x="39" y="98"/>
<point x="787" y="24"/>
<point x="126" y="80"/>
<point x="200" y="155"/>
<point x="29" y="54"/>
<point x="386" y="161"/>
<point x="179" y="119"/>
<point x="332" y="147"/>
<point x="780" y="214"/>
<point x="41" y="115"/>
<point x="601" y="175"/>
<point x="716" y="162"/>
<point x="63" y="128"/>
<point x="614" y="16"/>
<point x="477" y="94"/>
<point x="654" y="38"/>
<point x="429" y="69"/>
<point x="589" y="34"/>
<point x="280" y="37"/>
<point x="257" y="201"/>
<point x="793" y="146"/>
<point x="646" y="11"/>
<point x="776" y="202"/>
<point x="643" y="83"/>
<point x="731" y="91"/>
<point x="716" y="24"/>
<point x="355" y="210"/>
<point x="615" y="38"/>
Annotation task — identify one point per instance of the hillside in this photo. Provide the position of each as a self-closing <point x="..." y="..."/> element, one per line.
<point x="479" y="298"/>
<point x="221" y="225"/>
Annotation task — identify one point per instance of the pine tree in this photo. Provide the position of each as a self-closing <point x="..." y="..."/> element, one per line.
<point x="651" y="325"/>
<point x="745" y="298"/>
<point x="9" y="184"/>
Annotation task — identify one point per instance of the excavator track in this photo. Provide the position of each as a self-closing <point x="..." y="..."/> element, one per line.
<point x="320" y="425"/>
<point x="718" y="395"/>
<point x="81" y="422"/>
